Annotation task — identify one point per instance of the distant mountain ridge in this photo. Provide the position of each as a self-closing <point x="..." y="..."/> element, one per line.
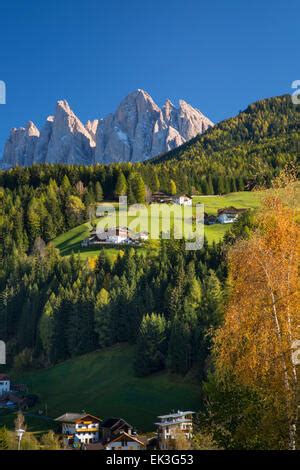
<point x="137" y="131"/>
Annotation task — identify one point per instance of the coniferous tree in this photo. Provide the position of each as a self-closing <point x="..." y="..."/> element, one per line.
<point x="121" y="185"/>
<point x="98" y="192"/>
<point x="103" y="321"/>
<point x="172" y="188"/>
<point x="138" y="188"/>
<point x="151" y="345"/>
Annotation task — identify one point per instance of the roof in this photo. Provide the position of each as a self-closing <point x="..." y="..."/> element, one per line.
<point x="73" y="417"/>
<point x="4" y="377"/>
<point x="69" y="417"/>
<point x="88" y="415"/>
<point x="174" y="422"/>
<point x="127" y="436"/>
<point x="111" y="232"/>
<point x="114" y="423"/>
<point x="230" y="210"/>
<point x="177" y="415"/>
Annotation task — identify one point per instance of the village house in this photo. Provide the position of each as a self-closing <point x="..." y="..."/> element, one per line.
<point x="124" y="441"/>
<point x="117" y="434"/>
<point x="4" y="384"/>
<point x="228" y="215"/>
<point x="115" y="236"/>
<point x="79" y="429"/>
<point x="209" y="219"/>
<point x="169" y="425"/>
<point x="112" y="427"/>
<point x="159" y="198"/>
<point x="183" y="200"/>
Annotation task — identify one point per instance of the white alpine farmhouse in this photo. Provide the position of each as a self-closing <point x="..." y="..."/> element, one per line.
<point x="79" y="428"/>
<point x="183" y="200"/>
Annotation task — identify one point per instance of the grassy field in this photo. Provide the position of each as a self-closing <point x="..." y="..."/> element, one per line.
<point x="104" y="384"/>
<point x="34" y="424"/>
<point x="70" y="241"/>
<point x="243" y="199"/>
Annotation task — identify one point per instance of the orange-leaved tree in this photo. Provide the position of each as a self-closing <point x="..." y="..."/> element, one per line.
<point x="261" y="323"/>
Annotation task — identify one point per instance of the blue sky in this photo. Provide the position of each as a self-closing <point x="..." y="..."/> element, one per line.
<point x="218" y="55"/>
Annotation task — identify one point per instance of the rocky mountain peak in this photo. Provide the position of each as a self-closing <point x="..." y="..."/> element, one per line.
<point x="137" y="131"/>
<point x="20" y="146"/>
<point x="63" y="105"/>
<point x="140" y="129"/>
<point x="31" y="129"/>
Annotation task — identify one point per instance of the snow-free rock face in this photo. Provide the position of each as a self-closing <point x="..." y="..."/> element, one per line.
<point x="137" y="131"/>
<point x="41" y="149"/>
<point x="20" y="146"/>
<point x="187" y="120"/>
<point x="91" y="127"/>
<point x="63" y="139"/>
<point x="70" y="141"/>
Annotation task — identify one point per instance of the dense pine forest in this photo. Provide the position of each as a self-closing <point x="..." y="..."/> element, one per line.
<point x="53" y="308"/>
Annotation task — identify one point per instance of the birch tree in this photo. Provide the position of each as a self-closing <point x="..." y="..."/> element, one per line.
<point x="261" y="326"/>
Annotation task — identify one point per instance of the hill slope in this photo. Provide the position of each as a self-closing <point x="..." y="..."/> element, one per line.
<point x="104" y="384"/>
<point x="260" y="139"/>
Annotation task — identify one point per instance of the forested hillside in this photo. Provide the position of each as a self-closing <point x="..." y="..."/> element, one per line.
<point x="54" y="308"/>
<point x="256" y="144"/>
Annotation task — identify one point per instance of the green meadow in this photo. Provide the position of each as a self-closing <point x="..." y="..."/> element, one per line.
<point x="70" y="242"/>
<point x="103" y="383"/>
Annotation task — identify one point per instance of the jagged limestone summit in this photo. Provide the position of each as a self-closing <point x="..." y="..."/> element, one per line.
<point x="137" y="131"/>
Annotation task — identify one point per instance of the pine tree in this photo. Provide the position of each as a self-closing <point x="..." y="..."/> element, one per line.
<point x="210" y="188"/>
<point x="151" y="345"/>
<point x="172" y="188"/>
<point x="121" y="185"/>
<point x="103" y="319"/>
<point x="98" y="192"/>
<point x="210" y="316"/>
<point x="138" y="188"/>
<point x="46" y="327"/>
<point x="183" y="343"/>
<point x="66" y="186"/>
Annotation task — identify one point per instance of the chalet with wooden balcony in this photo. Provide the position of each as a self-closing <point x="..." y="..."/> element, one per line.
<point x="79" y="429"/>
